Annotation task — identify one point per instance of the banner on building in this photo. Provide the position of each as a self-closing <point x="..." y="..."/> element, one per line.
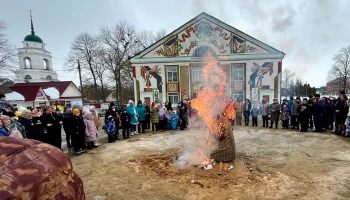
<point x="40" y="96"/>
<point x="255" y="94"/>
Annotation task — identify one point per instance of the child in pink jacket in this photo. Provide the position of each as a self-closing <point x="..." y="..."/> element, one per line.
<point x="90" y="130"/>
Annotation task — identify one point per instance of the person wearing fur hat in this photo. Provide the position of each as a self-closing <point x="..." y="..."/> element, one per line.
<point x="133" y="117"/>
<point x="295" y="113"/>
<point x="78" y="130"/>
<point x="275" y="110"/>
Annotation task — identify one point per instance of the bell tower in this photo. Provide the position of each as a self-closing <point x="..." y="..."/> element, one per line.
<point x="34" y="60"/>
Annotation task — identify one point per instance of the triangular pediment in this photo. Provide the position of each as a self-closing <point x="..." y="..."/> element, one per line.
<point x="206" y="32"/>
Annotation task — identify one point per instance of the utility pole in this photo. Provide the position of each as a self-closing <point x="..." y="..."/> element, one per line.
<point x="81" y="83"/>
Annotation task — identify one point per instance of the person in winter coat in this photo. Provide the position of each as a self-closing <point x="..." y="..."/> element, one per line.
<point x="341" y="113"/>
<point x="3" y="103"/>
<point x="311" y="104"/>
<point x="255" y="112"/>
<point x="52" y="124"/>
<point x="347" y="130"/>
<point x="162" y="119"/>
<point x="90" y="130"/>
<point x="110" y="129"/>
<point x="5" y="122"/>
<point x="295" y="113"/>
<point x="275" y="108"/>
<point x="32" y="131"/>
<point x="168" y="117"/>
<point x="285" y="117"/>
<point x="168" y="106"/>
<point x="326" y="115"/>
<point x="67" y="126"/>
<point x="239" y="111"/>
<point x="183" y="114"/>
<point x="113" y="112"/>
<point x="336" y="124"/>
<point x="141" y="110"/>
<point x="246" y="109"/>
<point x="318" y="109"/>
<point x="174" y="120"/>
<point x="78" y="135"/>
<point x="264" y="112"/>
<point x="155" y="117"/>
<point x="133" y="117"/>
<point x="331" y="118"/>
<point x="125" y="124"/>
<point x="96" y="121"/>
<point x="148" y="116"/>
<point x="304" y="110"/>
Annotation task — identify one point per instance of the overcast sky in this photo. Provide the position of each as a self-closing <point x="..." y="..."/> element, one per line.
<point x="310" y="32"/>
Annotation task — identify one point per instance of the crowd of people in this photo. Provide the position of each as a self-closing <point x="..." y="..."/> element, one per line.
<point x="81" y="127"/>
<point x="315" y="113"/>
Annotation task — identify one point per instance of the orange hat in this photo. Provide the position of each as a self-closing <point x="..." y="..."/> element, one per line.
<point x="75" y="111"/>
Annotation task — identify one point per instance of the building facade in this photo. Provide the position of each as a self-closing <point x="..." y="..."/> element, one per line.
<point x="336" y="85"/>
<point x="171" y="69"/>
<point x="35" y="61"/>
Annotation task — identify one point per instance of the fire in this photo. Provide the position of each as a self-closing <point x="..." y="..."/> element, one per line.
<point x="211" y="102"/>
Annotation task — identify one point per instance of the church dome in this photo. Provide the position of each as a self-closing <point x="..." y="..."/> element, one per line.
<point x="33" y="38"/>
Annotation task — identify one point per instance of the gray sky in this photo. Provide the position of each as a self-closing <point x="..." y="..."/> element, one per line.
<point x="310" y="32"/>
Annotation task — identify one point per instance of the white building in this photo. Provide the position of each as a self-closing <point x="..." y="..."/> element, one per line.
<point x="35" y="61"/>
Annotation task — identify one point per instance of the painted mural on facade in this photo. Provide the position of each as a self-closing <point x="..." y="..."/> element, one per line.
<point x="148" y="74"/>
<point x="201" y="33"/>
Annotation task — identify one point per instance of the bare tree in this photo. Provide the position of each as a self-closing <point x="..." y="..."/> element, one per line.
<point x="340" y="70"/>
<point x="8" y="56"/>
<point x="85" y="48"/>
<point x="287" y="77"/>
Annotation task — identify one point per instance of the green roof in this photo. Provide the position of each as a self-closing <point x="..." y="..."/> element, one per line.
<point x="33" y="38"/>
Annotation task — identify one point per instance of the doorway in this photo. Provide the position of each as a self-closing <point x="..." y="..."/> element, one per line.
<point x="147" y="100"/>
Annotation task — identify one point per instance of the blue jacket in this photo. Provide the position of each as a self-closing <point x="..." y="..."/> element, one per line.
<point x="255" y="112"/>
<point x="132" y="112"/>
<point x="141" y="110"/>
<point x="174" y="119"/>
<point x="110" y="127"/>
<point x="3" y="132"/>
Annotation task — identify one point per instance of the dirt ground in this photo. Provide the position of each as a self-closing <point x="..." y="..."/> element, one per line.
<point x="270" y="164"/>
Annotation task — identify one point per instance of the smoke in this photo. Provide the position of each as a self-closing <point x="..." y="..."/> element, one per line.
<point x="283" y="18"/>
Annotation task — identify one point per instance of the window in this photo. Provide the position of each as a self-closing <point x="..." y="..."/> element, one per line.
<point x="238" y="80"/>
<point x="202" y="51"/>
<point x="68" y="103"/>
<point x="42" y="46"/>
<point x="27" y="63"/>
<point x="48" y="77"/>
<point x="172" y="73"/>
<point x="197" y="74"/>
<point x="46" y="64"/>
<point x="27" y="45"/>
<point x="173" y="97"/>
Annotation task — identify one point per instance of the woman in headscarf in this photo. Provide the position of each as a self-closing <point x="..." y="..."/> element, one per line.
<point x="5" y="130"/>
<point x="32" y="131"/>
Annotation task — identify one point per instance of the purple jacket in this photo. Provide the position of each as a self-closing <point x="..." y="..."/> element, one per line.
<point x="161" y="114"/>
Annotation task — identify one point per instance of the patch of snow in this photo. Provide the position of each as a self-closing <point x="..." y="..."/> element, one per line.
<point x="52" y="92"/>
<point x="14" y="96"/>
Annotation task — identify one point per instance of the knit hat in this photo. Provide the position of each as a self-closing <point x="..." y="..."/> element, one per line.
<point x="139" y="102"/>
<point x="298" y="98"/>
<point x="75" y="106"/>
<point x="75" y="111"/>
<point x="2" y="96"/>
<point x="317" y="95"/>
<point x="111" y="104"/>
<point x="304" y="99"/>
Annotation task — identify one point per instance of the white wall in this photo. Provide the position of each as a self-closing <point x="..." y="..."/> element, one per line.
<point x="71" y="91"/>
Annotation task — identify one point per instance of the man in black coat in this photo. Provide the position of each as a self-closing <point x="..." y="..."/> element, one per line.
<point x="318" y="109"/>
<point x="304" y="110"/>
<point x="336" y="101"/>
<point x="310" y="103"/>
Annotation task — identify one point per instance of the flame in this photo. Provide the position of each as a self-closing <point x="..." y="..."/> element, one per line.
<point x="212" y="102"/>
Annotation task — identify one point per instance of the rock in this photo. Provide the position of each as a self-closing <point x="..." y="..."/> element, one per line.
<point x="251" y="169"/>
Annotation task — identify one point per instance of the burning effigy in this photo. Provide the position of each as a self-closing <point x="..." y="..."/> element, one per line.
<point x="216" y="110"/>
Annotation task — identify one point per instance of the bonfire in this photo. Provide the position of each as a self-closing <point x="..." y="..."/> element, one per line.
<point x="217" y="111"/>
